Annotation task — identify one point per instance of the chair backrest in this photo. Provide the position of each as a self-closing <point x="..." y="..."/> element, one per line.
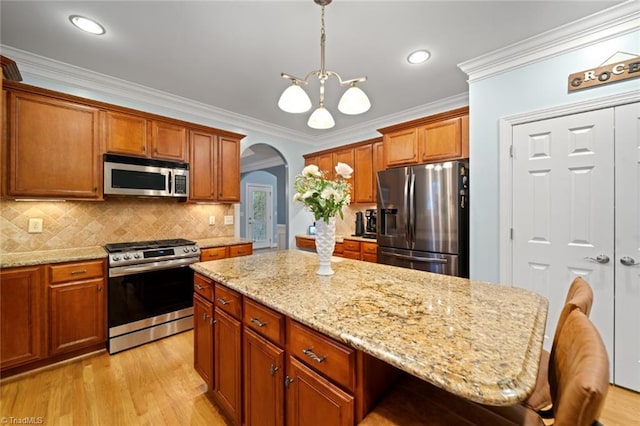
<point x="581" y="295"/>
<point x="578" y="372"/>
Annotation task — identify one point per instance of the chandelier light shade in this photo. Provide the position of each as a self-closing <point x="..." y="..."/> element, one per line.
<point x="295" y="100"/>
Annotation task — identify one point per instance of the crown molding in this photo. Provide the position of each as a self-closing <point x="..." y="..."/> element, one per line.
<point x="85" y="80"/>
<point x="609" y="23"/>
<point x="264" y="164"/>
<point x="90" y="82"/>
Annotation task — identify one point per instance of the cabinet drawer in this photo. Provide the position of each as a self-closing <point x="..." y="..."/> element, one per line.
<point x="305" y="243"/>
<point x="351" y="255"/>
<point x="333" y="359"/>
<point x="350" y="245"/>
<point x="339" y="249"/>
<point x="203" y="286"/>
<point x="369" y="248"/>
<point x="241" y="250"/>
<point x="75" y="271"/>
<point x="214" y="253"/>
<point x="228" y="300"/>
<point x="373" y="258"/>
<point x="264" y="321"/>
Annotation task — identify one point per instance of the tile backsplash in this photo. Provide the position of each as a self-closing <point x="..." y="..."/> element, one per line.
<point x="95" y="223"/>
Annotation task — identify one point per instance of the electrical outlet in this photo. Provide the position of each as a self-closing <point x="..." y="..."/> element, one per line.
<point x="228" y="220"/>
<point x="35" y="225"/>
<point x="212" y="220"/>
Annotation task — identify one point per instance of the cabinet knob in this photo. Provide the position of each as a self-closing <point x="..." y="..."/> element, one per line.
<point x="287" y="381"/>
<point x="99" y="288"/>
<point x="212" y="322"/>
<point x="273" y="369"/>
<point x="204" y="317"/>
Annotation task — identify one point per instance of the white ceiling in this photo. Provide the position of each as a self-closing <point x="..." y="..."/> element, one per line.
<point x="229" y="54"/>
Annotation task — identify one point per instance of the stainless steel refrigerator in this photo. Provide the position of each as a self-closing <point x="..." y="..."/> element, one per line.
<point x="423" y="217"/>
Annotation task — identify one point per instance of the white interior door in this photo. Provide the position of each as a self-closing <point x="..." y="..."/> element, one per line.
<point x="627" y="303"/>
<point x="259" y="215"/>
<point x="563" y="212"/>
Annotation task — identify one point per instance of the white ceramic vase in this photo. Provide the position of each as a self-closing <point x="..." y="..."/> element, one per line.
<point x="325" y="244"/>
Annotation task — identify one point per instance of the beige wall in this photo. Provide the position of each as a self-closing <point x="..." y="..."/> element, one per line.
<point x="95" y="223"/>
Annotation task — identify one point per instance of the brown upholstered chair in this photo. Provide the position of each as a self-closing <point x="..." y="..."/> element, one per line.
<point x="580" y="295"/>
<point x="578" y="378"/>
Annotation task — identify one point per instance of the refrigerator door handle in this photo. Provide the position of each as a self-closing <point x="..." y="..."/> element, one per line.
<point x="416" y="258"/>
<point x="412" y="209"/>
<point x="407" y="206"/>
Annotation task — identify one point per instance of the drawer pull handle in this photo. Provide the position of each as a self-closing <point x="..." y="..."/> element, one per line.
<point x="257" y="322"/>
<point x="273" y="369"/>
<point x="79" y="271"/>
<point x="287" y="381"/>
<point x="222" y="301"/>
<point x="308" y="352"/>
<point x="199" y="287"/>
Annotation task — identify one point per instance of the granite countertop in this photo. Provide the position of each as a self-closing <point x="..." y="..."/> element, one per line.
<point x="31" y="258"/>
<point x="219" y="241"/>
<point x="479" y="340"/>
<point x="341" y="238"/>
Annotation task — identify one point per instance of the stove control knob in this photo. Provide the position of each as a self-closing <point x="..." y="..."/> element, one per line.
<point x="137" y="256"/>
<point x="126" y="257"/>
<point x="116" y="258"/>
<point x="194" y="249"/>
<point x="186" y="249"/>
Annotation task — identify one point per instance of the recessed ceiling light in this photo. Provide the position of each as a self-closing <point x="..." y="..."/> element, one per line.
<point x="86" y="24"/>
<point x="418" y="57"/>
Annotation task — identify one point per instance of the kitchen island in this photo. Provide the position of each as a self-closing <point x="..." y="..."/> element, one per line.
<point x="478" y="340"/>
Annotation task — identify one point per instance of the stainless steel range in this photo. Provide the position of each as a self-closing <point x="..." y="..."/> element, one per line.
<point x="150" y="290"/>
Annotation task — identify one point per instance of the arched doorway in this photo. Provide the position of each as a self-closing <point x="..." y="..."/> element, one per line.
<point x="263" y="203"/>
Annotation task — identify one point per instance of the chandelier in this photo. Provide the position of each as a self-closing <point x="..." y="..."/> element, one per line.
<point x="295" y="100"/>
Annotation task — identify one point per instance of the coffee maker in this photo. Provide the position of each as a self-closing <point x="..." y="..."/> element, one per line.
<point x="370" y="226"/>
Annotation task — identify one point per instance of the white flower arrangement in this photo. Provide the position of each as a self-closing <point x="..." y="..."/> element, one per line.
<point x="323" y="197"/>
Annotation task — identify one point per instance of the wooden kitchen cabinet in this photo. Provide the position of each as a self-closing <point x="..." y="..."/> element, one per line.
<point x="244" y="249"/>
<point x="369" y="252"/>
<point x="214" y="253"/>
<point x="77" y="301"/>
<point x="439" y="137"/>
<point x="125" y="133"/>
<point x="227" y="364"/>
<point x="326" y="164"/>
<point x="214" y="167"/>
<point x="363" y="188"/>
<point x="203" y="338"/>
<point x="22" y="316"/>
<point x="169" y="141"/>
<point x="53" y="148"/>
<point x="263" y="381"/>
<point x="314" y="400"/>
<point x="228" y="169"/>
<point x="352" y="249"/>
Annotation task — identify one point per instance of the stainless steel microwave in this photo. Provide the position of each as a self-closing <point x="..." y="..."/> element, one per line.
<point x="145" y="177"/>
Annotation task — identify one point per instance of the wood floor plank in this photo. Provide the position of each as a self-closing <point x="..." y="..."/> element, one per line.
<point x="155" y="384"/>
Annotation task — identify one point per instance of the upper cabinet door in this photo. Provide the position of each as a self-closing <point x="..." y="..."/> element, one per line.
<point x="203" y="184"/>
<point x="125" y="133"/>
<point x="363" y="174"/>
<point x="228" y="169"/>
<point x="441" y="140"/>
<point x="53" y="148"/>
<point x="168" y="141"/>
<point x="401" y="147"/>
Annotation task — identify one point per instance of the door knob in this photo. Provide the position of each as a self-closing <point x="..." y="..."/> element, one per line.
<point x="628" y="261"/>
<point x="601" y="258"/>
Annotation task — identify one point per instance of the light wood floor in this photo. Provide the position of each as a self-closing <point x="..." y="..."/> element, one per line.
<point x="155" y="384"/>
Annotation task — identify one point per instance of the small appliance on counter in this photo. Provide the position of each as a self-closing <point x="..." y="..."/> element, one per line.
<point x="359" y="224"/>
<point x="370" y="227"/>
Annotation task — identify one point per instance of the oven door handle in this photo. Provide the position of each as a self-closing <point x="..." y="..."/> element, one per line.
<point x="120" y="271"/>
